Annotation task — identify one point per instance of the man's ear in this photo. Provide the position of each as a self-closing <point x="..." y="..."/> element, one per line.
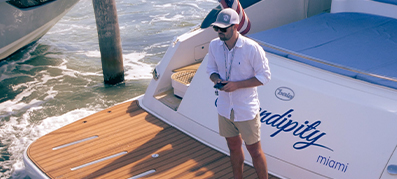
<point x="235" y="27"/>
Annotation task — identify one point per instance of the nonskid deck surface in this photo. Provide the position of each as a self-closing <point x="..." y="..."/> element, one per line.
<point x="125" y="141"/>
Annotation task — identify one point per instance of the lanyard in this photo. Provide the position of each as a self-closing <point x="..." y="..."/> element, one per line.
<point x="225" y="52"/>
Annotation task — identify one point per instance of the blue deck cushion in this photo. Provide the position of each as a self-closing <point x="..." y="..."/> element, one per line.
<point x="361" y="42"/>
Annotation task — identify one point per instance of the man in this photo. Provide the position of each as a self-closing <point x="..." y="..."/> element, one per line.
<point x="240" y="65"/>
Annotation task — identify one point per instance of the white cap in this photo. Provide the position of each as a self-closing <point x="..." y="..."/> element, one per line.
<point x="226" y="18"/>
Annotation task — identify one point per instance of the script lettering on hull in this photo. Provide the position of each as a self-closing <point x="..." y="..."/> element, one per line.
<point x="283" y="123"/>
<point x="332" y="163"/>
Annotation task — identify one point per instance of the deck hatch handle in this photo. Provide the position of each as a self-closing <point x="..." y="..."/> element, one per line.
<point x="75" y="142"/>
<point x="99" y="160"/>
<point x="143" y="174"/>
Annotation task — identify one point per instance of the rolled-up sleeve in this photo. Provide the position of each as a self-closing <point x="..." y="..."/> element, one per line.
<point x="211" y="66"/>
<point x="261" y="65"/>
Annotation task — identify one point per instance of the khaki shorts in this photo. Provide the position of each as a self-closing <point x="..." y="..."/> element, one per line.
<point x="250" y="130"/>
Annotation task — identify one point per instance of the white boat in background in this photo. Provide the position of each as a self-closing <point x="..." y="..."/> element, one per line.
<point x="330" y="110"/>
<point x="23" y="22"/>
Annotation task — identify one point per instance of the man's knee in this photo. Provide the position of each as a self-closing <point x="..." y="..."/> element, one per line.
<point x="234" y="143"/>
<point x="255" y="149"/>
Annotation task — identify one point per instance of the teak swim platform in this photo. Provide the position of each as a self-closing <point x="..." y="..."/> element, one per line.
<point x="125" y="141"/>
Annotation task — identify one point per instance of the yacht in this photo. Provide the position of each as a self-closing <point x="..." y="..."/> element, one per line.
<point x="329" y="111"/>
<point x="23" y="22"/>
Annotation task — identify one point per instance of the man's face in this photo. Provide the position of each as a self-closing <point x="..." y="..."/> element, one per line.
<point x="224" y="36"/>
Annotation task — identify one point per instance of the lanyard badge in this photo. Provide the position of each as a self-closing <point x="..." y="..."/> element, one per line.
<point x="227" y="70"/>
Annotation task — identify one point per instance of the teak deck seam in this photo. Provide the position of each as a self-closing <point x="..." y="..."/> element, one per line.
<point x="127" y="128"/>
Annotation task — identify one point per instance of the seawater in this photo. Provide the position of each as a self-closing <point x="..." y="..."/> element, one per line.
<point x="59" y="80"/>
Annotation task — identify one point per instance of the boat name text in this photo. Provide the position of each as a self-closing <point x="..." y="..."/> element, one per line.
<point x="284" y="123"/>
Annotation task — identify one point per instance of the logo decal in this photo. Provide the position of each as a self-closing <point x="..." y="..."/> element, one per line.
<point x="284" y="93"/>
<point x="226" y="18"/>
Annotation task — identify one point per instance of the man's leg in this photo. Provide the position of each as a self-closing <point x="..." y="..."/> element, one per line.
<point x="236" y="155"/>
<point x="259" y="159"/>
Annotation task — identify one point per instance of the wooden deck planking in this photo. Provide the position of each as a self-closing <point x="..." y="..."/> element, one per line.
<point x="104" y="145"/>
<point x="128" y="128"/>
<point x="80" y="130"/>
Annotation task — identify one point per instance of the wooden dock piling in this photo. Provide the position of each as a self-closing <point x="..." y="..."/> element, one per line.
<point x="109" y="41"/>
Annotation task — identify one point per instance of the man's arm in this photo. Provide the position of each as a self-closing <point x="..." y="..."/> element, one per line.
<point x="248" y="83"/>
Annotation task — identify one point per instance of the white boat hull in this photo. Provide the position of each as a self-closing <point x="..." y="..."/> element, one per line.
<point x="21" y="27"/>
<point x="315" y="123"/>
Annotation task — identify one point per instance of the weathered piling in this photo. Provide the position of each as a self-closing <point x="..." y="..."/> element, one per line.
<point x="109" y="40"/>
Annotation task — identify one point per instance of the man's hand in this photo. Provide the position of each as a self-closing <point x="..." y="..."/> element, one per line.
<point x="234" y="85"/>
<point x="230" y="86"/>
<point x="215" y="78"/>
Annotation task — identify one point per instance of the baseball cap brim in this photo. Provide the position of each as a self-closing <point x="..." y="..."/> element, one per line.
<point x="221" y="25"/>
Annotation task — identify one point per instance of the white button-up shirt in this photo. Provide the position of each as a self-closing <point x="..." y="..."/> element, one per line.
<point x="248" y="60"/>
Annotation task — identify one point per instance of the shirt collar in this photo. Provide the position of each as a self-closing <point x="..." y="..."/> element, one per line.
<point x="239" y="42"/>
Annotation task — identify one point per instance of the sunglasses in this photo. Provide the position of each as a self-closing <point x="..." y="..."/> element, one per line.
<point x="216" y="28"/>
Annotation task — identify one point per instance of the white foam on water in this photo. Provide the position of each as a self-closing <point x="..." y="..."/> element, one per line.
<point x="20" y="130"/>
<point x="158" y="45"/>
<point x="6" y="70"/>
<point x="59" y="30"/>
<point x="39" y="89"/>
<point x="5" y="76"/>
<point x="18" y="133"/>
<point x="166" y="18"/>
<point x="9" y="107"/>
<point x="135" y="68"/>
<point x="73" y="73"/>
<point x="95" y="53"/>
<point x="193" y="5"/>
<point x="163" y="5"/>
